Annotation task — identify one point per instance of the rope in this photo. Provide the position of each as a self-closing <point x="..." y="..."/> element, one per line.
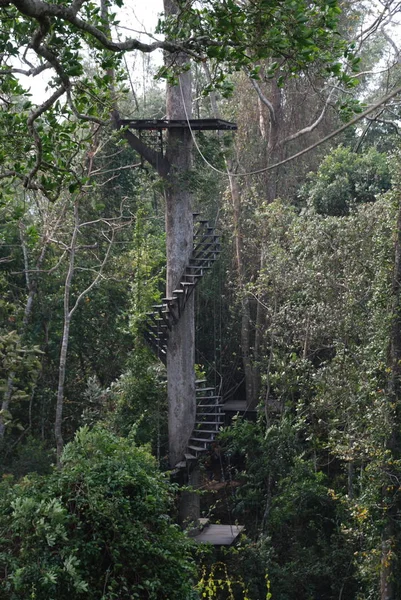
<point x="294" y="156"/>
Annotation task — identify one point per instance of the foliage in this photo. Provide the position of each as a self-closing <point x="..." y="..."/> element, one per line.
<point x="138" y="398"/>
<point x="19" y="362"/>
<point x="234" y="36"/>
<point x="30" y="456"/>
<point x="217" y="583"/>
<point x="345" y="179"/>
<point x="326" y="296"/>
<point x="98" y="528"/>
<point x="297" y="517"/>
<point x="293" y="35"/>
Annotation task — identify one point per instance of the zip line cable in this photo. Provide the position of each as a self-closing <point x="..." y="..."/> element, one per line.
<point x="294" y="156"/>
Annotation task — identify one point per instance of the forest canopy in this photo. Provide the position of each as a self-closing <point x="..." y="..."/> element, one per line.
<point x="290" y="230"/>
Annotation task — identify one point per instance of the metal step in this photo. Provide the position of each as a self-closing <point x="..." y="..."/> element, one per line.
<point x="201" y="440"/>
<point x="188" y="456"/>
<point x="196" y="448"/>
<point x="211" y="431"/>
<point x="197" y="267"/>
<point x="211" y="414"/>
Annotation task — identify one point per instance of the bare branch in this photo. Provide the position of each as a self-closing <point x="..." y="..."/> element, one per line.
<point x="32" y="72"/>
<point x="47" y="271"/>
<point x="385" y="122"/>
<point x="36" y="137"/>
<point x="392" y="44"/>
<point x="9" y="173"/>
<point x="111" y="222"/>
<point x="59" y="243"/>
<point x="103" y="171"/>
<point x="313" y="125"/>
<point x="263" y="99"/>
<point x="96" y="279"/>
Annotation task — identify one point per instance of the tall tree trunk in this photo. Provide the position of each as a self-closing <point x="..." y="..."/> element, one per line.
<point x="70" y="310"/>
<point x="251" y="388"/>
<point x="274" y="149"/>
<point x="64" y="342"/>
<point x="179" y="234"/>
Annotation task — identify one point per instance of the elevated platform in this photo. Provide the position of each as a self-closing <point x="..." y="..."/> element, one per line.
<point x="195" y="124"/>
<point x="219" y="535"/>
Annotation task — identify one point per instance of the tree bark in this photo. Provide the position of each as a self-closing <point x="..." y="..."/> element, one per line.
<point x="179" y="234"/>
<point x="251" y="391"/>
<point x="274" y="150"/>
<point x="64" y="342"/>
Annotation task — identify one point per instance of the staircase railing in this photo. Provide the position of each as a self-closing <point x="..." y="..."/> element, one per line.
<point x="162" y="319"/>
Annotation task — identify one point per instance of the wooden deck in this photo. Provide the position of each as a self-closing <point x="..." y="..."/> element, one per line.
<point x="219" y="535"/>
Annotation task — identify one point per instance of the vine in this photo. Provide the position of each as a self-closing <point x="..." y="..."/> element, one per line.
<point x="217" y="583"/>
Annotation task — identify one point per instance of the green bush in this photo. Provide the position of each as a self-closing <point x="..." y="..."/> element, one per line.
<point x="345" y="179"/>
<point x="97" y="529"/>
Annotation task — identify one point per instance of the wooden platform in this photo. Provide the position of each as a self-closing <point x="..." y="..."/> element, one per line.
<point x="195" y="124"/>
<point x="219" y="535"/>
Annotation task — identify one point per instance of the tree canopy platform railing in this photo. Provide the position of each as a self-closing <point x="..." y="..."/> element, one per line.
<point x="194" y="124"/>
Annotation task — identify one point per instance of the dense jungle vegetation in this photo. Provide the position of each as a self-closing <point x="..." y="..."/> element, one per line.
<point x="300" y="316"/>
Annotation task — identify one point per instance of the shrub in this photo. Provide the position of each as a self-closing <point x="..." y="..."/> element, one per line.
<point x="97" y="529"/>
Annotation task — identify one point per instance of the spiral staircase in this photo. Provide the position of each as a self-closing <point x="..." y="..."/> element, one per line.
<point x="161" y="321"/>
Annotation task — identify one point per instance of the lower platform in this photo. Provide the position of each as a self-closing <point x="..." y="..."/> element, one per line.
<point x="219" y="535"/>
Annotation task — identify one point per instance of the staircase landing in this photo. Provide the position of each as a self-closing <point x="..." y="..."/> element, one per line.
<point x="219" y="535"/>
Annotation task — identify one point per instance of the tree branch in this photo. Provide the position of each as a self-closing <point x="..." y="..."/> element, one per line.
<point x="392" y="44"/>
<point x="81" y="116"/>
<point x="313" y="125"/>
<point x="39" y="10"/>
<point x="36" y="137"/>
<point x="33" y="71"/>
<point x="263" y="99"/>
<point x="98" y="276"/>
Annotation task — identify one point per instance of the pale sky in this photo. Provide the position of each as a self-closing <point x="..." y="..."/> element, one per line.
<point x="136" y="19"/>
